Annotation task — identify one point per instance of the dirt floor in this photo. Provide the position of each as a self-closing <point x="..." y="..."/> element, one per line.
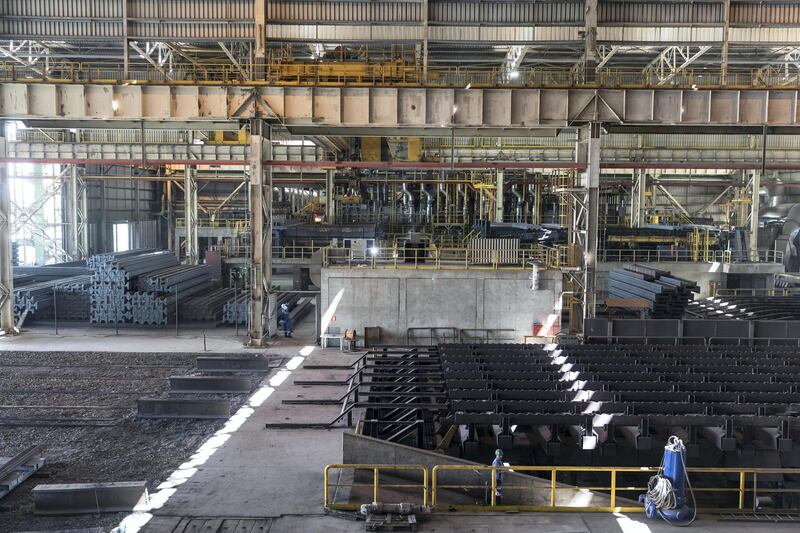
<point x="82" y="408"/>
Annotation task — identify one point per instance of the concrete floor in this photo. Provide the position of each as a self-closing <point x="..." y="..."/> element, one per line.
<point x="247" y="471"/>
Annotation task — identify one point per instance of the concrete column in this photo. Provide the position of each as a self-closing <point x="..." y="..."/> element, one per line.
<point x="190" y="216"/>
<point x="262" y="311"/>
<point x="498" y="194"/>
<point x="6" y="277"/>
<point x="330" y="196"/>
<point x="754" y="215"/>
<point x="592" y="212"/>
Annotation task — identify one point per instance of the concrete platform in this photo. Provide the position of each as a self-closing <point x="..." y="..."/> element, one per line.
<point x="233" y="364"/>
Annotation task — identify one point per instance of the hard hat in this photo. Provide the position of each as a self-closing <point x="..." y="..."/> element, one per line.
<point x="498" y="452"/>
<point x="285" y="307"/>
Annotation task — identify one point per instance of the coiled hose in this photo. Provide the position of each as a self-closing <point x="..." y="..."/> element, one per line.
<point x="660" y="490"/>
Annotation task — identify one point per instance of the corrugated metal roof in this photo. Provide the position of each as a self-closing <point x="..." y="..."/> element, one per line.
<point x="492" y="13"/>
<point x="648" y="13"/>
<point x="347" y="11"/>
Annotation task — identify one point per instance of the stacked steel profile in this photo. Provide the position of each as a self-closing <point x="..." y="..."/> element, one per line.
<point x="664" y="295"/>
<point x="143" y="288"/>
<point x="39" y="291"/>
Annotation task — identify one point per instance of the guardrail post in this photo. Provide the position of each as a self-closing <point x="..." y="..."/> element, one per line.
<point x="553" y="487"/>
<point x="375" y="483"/>
<point x="741" y="489"/>
<point x="325" y="486"/>
<point x="613" y="489"/>
<point x="493" y="498"/>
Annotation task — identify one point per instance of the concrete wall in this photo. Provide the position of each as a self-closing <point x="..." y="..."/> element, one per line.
<point x="396" y="300"/>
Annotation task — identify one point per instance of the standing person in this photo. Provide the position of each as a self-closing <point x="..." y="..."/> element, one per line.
<point x="498" y="462"/>
<point x="286" y="316"/>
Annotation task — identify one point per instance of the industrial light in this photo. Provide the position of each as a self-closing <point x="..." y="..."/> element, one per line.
<point x="469" y="86"/>
<point x="513" y="74"/>
<point x="374" y="250"/>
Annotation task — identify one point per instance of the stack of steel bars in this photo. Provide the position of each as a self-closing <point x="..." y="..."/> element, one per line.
<point x="114" y="280"/>
<point x="36" y="299"/>
<point x="664" y="296"/>
<point x="237" y="309"/>
<point x="163" y="289"/>
<point x="208" y="307"/>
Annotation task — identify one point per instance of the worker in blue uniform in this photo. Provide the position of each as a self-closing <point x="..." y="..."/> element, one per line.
<point x="498" y="462"/>
<point x="286" y="317"/>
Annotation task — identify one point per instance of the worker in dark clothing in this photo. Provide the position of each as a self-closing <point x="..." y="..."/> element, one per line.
<point x="285" y="315"/>
<point x="498" y="462"/>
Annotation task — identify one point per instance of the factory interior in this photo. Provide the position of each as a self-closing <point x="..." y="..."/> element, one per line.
<point x="399" y="265"/>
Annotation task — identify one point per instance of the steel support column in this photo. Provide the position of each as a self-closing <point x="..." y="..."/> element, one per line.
<point x="77" y="210"/>
<point x="754" y="214"/>
<point x="592" y="213"/>
<point x="6" y="276"/>
<point x="590" y="29"/>
<point x="425" y="15"/>
<point x="638" y="199"/>
<point x="190" y="215"/>
<point x="330" y="196"/>
<point x="498" y="200"/>
<point x="262" y="303"/>
<point x="260" y="47"/>
<point x="725" y="40"/>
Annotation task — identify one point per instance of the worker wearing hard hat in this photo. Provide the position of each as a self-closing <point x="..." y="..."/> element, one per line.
<point x="498" y="462"/>
<point x="286" y="317"/>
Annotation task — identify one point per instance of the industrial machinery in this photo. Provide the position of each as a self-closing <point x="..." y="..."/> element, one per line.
<point x="666" y="491"/>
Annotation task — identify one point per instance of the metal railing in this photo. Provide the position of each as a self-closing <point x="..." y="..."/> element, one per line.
<point x="729" y="489"/>
<point x="612" y="490"/>
<point x="396" y="74"/>
<point x="375" y="485"/>
<point x="786" y="291"/>
<point x="278" y="252"/>
<point x="434" y="258"/>
<point x="678" y="256"/>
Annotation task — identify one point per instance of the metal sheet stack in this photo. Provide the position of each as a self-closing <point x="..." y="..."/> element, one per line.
<point x="666" y="296"/>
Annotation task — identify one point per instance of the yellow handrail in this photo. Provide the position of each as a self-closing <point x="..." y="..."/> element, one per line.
<point x="746" y="485"/>
<point x="376" y="484"/>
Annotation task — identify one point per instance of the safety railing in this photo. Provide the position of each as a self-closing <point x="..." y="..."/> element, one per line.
<point x="679" y="256"/>
<point x="618" y="495"/>
<point x="544" y="488"/>
<point x="391" y="73"/>
<point x="376" y="490"/>
<point x="287" y="253"/>
<point x="786" y="291"/>
<point x="433" y="258"/>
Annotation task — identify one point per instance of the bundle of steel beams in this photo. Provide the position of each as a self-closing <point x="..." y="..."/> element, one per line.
<point x="237" y="309"/>
<point x="665" y="296"/>
<point x="747" y="307"/>
<point x="71" y="297"/>
<point x="208" y="307"/>
<point x="114" y="298"/>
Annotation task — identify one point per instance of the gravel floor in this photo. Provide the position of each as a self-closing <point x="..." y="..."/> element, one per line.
<point x="86" y="386"/>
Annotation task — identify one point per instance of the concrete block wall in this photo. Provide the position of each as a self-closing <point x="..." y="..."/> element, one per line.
<point x="396" y="300"/>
